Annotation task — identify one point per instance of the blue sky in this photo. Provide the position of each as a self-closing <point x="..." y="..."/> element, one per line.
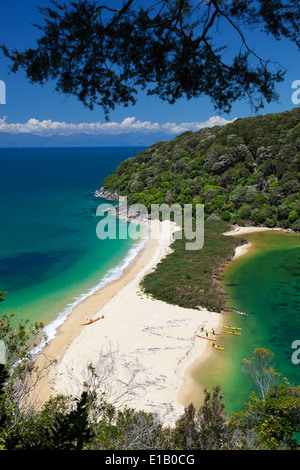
<point x="41" y="112"/>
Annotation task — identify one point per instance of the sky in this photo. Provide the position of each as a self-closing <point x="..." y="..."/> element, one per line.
<point x="35" y="115"/>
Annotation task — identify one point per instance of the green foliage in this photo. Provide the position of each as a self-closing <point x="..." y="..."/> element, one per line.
<point x="206" y="428"/>
<point x="274" y="417"/>
<point x="55" y="427"/>
<point x="260" y="369"/>
<point x="274" y="414"/>
<point x="17" y="336"/>
<point x="68" y="431"/>
<point x="246" y="172"/>
<point x="130" y="429"/>
<point x="187" y="277"/>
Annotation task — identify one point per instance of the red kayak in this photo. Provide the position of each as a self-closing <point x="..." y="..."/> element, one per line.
<point x="203" y="337"/>
<point x="92" y="321"/>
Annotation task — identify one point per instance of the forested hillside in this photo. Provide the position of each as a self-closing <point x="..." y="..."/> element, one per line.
<point x="246" y="172"/>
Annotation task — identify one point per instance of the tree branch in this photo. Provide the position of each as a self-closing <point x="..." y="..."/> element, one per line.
<point x="119" y="13"/>
<point x="235" y="26"/>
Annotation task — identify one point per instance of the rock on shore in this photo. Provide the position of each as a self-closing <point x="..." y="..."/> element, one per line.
<point x="106" y="195"/>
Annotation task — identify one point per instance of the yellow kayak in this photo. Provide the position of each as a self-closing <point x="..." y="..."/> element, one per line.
<point x="216" y="347"/>
<point x="231" y="333"/>
<point x="232" y="327"/>
<point x="212" y="332"/>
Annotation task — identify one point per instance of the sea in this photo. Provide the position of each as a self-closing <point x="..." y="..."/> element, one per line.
<point x="50" y="255"/>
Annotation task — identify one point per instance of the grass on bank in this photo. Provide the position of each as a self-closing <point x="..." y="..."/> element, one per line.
<point x="188" y="277"/>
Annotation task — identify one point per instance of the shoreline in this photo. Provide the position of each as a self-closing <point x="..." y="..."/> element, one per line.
<point x="238" y="230"/>
<point x="110" y="276"/>
<point x="147" y="340"/>
<point x="83" y="311"/>
<point x="162" y="337"/>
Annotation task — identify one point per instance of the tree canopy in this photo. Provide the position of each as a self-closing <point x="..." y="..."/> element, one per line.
<point x="104" y="55"/>
<point x="246" y="172"/>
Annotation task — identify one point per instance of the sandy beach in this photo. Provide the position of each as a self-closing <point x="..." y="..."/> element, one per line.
<point x="237" y="230"/>
<point x="141" y="345"/>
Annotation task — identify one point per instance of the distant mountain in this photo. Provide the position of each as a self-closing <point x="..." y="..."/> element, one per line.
<point x="246" y="172"/>
<point x="78" y="140"/>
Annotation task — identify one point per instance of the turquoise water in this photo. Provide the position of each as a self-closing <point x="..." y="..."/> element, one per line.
<point x="264" y="284"/>
<point x="50" y="256"/>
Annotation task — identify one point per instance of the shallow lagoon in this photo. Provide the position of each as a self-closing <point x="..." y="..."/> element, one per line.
<point x="264" y="283"/>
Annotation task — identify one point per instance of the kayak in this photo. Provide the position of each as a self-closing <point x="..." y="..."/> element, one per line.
<point x="231" y="333"/>
<point x="216" y="347"/>
<point x="212" y="332"/>
<point x="241" y="313"/>
<point x="92" y="321"/>
<point x="232" y="327"/>
<point x="203" y="337"/>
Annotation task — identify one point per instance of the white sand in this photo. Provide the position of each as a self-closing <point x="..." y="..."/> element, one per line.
<point x="243" y="249"/>
<point x="153" y="341"/>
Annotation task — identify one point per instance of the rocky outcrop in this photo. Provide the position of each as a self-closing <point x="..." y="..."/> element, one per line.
<point x="105" y="194"/>
<point x="120" y="210"/>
